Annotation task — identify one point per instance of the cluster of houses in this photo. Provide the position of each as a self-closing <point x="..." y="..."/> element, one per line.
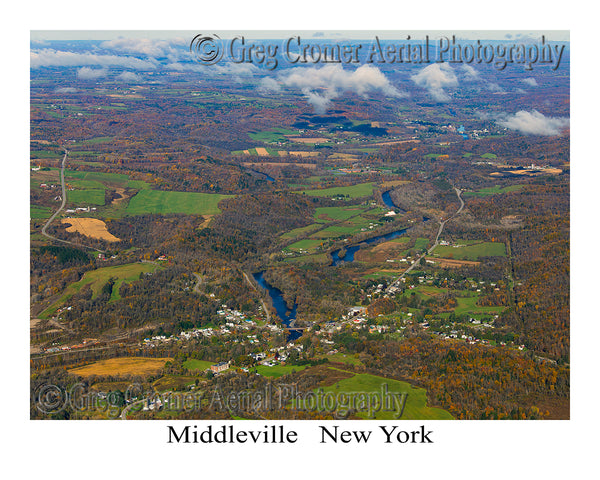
<point x="63" y="348"/>
<point x="81" y="209"/>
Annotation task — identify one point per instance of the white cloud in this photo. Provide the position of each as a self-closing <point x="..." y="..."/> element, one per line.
<point x="86" y="73"/>
<point x="66" y="90"/>
<point x="435" y="79"/>
<point x="129" y="77"/>
<point x="143" y="46"/>
<point x="48" y="57"/>
<point x="321" y="85"/>
<point x="469" y="73"/>
<point x="268" y="84"/>
<point x="530" y="82"/>
<point x="493" y="87"/>
<point x="182" y="67"/>
<point x="244" y="69"/>
<point x="533" y="123"/>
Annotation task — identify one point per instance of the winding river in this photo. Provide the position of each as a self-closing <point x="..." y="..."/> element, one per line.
<point x="285" y="315"/>
<point x="288" y="316"/>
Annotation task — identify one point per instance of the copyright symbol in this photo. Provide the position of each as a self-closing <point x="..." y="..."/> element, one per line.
<point x="51" y="399"/>
<point x="206" y="48"/>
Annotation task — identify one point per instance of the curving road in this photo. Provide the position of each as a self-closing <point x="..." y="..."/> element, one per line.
<point x="437" y="239"/>
<point x="62" y="206"/>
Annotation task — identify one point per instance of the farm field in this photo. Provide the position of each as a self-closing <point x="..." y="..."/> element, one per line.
<point x="343" y="358"/>
<point x="471" y="251"/>
<point x="469" y="305"/>
<point x="308" y="244"/>
<point x="93" y="141"/>
<point x="277" y="370"/>
<point x="466" y="300"/>
<point x="329" y="214"/>
<point x="122" y="366"/>
<point x="173" y="382"/>
<point x="90" y="227"/>
<point x="200" y="365"/>
<point x="45" y="154"/>
<point x="85" y="197"/>
<point x="484" y="192"/>
<point x="39" y="213"/>
<point x="315" y="258"/>
<point x="416" y="400"/>
<point x="191" y="203"/>
<point x="335" y="231"/>
<point x="98" y="278"/>
<point x="391" y="250"/>
<point x="351" y="191"/>
<point x="296" y="232"/>
<point x="272" y="136"/>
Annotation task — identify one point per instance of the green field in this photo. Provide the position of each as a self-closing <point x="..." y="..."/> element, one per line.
<point x="98" y="278"/>
<point x="337" y="231"/>
<point x="272" y="136"/>
<point x="36" y="212"/>
<point x="316" y="258"/>
<point x="193" y="364"/>
<point x="94" y="141"/>
<point x="472" y="251"/>
<point x="421" y="243"/>
<point x="414" y="399"/>
<point x="466" y="300"/>
<point x="278" y="370"/>
<point x="308" y="244"/>
<point x="328" y="214"/>
<point x="89" y="196"/>
<point x="469" y="305"/>
<point x="352" y="191"/>
<point x="83" y="154"/>
<point x="297" y="232"/>
<point x="191" y="203"/>
<point x="45" y="154"/>
<point x="102" y="177"/>
<point x="493" y="190"/>
<point x="343" y="358"/>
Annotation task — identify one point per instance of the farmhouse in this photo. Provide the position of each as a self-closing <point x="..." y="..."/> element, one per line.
<point x="219" y="367"/>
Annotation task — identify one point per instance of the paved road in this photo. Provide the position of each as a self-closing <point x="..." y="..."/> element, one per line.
<point x="62" y="205"/>
<point x="60" y="209"/>
<point x="437" y="239"/>
<point x="198" y="282"/>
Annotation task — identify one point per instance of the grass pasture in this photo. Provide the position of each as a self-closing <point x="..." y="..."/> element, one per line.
<point x="85" y="197"/>
<point x="173" y="382"/>
<point x="414" y="399"/>
<point x="496" y="189"/>
<point x="39" y="213"/>
<point x="278" y="370"/>
<point x="97" y="279"/>
<point x="122" y="366"/>
<point x="315" y="258"/>
<point x="351" y="191"/>
<point x="272" y="136"/>
<point x="308" y="244"/>
<point x="200" y="365"/>
<point x="471" y="251"/>
<point x="329" y="214"/>
<point x="469" y="305"/>
<point x="190" y="203"/>
<point x="297" y="232"/>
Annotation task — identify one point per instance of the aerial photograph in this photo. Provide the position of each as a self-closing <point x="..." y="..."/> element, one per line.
<point x="299" y="225"/>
